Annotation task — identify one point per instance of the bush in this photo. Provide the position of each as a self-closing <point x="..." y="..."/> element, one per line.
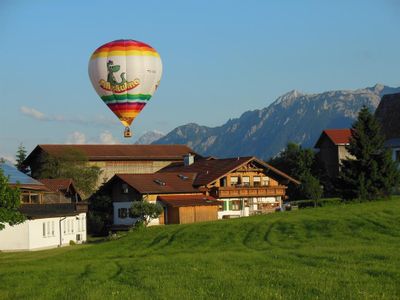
<point x="320" y="203"/>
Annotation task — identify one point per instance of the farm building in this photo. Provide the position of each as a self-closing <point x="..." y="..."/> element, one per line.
<point x="332" y="149"/>
<point x="112" y="159"/>
<point x="48" y="224"/>
<point x="201" y="190"/>
<point x="388" y="113"/>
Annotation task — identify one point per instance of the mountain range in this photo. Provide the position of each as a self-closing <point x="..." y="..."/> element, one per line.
<point x="293" y="117"/>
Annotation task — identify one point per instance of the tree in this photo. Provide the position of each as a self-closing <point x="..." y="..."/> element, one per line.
<point x="372" y="174"/>
<point x="20" y="157"/>
<point x="300" y="164"/>
<point x="311" y="188"/>
<point x="9" y="203"/>
<point x="145" y="211"/>
<point x="100" y="213"/>
<point x="73" y="164"/>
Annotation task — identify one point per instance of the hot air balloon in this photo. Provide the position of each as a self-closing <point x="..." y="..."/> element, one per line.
<point x="125" y="74"/>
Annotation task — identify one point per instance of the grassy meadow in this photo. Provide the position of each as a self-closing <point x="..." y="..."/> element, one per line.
<point x="337" y="252"/>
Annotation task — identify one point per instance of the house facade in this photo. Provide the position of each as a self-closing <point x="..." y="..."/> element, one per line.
<point x="47" y="225"/>
<point x="387" y="113"/>
<point x="332" y="149"/>
<point x="112" y="159"/>
<point x="201" y="190"/>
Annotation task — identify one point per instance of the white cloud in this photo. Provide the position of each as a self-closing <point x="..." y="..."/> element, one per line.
<point x="40" y="116"/>
<point x="31" y="112"/>
<point x="106" y="137"/>
<point x="76" y="138"/>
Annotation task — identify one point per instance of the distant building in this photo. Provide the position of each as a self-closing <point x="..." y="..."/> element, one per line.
<point x="332" y="149"/>
<point x="201" y="189"/>
<point x="64" y="191"/>
<point x="48" y="224"/>
<point x="388" y="114"/>
<point x="113" y="159"/>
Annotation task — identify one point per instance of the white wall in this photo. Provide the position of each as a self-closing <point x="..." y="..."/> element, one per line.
<point x="128" y="221"/>
<point x="15" y="237"/>
<point x="43" y="233"/>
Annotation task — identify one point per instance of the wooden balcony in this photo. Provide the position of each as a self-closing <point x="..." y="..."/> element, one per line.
<point x="241" y="192"/>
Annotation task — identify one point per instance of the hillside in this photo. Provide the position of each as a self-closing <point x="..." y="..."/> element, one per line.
<point x="295" y="116"/>
<point x="343" y="252"/>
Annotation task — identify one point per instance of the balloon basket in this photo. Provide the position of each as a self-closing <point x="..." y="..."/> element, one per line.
<point x="127" y="132"/>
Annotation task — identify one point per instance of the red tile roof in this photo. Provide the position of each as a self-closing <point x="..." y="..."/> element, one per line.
<point x="337" y="136"/>
<point x="57" y="185"/>
<point x="189" y="200"/>
<point x="117" y="152"/>
<point x="209" y="170"/>
<point x="159" y="183"/>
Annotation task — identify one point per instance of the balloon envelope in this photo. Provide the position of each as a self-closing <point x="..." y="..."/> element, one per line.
<point x="125" y="74"/>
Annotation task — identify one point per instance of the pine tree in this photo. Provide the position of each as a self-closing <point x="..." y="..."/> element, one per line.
<point x="372" y="174"/>
<point x="20" y="157"/>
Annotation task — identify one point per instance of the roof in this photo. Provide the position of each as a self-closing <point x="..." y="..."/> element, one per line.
<point x="58" y="184"/>
<point x="159" y="183"/>
<point x="188" y="200"/>
<point x="209" y="170"/>
<point x="16" y="177"/>
<point x="337" y="136"/>
<point x="116" y="152"/>
<point x="39" y="211"/>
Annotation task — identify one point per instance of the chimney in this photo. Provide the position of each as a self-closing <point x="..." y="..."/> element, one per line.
<point x="188" y="159"/>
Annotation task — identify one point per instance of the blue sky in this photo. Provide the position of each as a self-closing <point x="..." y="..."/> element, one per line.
<point x="220" y="58"/>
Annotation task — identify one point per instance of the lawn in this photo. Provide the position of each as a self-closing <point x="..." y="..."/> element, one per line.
<point x="335" y="252"/>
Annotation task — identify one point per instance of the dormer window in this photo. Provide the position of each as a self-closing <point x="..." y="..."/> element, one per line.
<point x="234" y="180"/>
<point x="265" y="181"/>
<point x="125" y="189"/>
<point x="256" y="181"/>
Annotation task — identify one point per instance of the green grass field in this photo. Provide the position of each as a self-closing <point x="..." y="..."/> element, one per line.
<point x="341" y="252"/>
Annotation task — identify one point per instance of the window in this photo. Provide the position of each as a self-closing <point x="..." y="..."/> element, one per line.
<point x="25" y="198"/>
<point x="35" y="199"/>
<point x="222" y="182"/>
<point x="68" y="226"/>
<point x="83" y="223"/>
<point x="72" y="225"/>
<point x="234" y="180"/>
<point x="397" y="155"/>
<point x="44" y="229"/>
<point x="125" y="189"/>
<point x="65" y="226"/>
<point x="235" y="205"/>
<point x="265" y="181"/>
<point x="246" y="181"/>
<point x="79" y="224"/>
<point x="122" y="213"/>
<point x="256" y="181"/>
<point x="48" y="228"/>
<point x="52" y="228"/>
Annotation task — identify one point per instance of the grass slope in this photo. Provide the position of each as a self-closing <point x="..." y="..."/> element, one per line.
<point x="343" y="252"/>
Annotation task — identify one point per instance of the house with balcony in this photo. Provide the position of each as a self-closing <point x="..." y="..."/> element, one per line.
<point x="49" y="223"/>
<point x="243" y="185"/>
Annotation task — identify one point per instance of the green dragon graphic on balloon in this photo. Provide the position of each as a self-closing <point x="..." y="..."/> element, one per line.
<point x="111" y="68"/>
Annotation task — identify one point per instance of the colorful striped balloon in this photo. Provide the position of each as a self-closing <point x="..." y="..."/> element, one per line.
<point x="125" y="74"/>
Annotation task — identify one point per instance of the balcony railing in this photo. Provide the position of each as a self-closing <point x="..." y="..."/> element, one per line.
<point x="261" y="191"/>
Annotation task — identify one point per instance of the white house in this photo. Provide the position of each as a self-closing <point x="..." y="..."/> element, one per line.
<point x="48" y="225"/>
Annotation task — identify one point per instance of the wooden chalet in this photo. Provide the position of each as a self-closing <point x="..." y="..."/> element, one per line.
<point x="201" y="190"/>
<point x="332" y="149"/>
<point x="243" y="185"/>
<point x="64" y="190"/>
<point x="112" y="159"/>
<point x="160" y="187"/>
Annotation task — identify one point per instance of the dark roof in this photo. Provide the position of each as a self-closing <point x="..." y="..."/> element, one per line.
<point x="212" y="169"/>
<point x="17" y="178"/>
<point x="337" y="136"/>
<point x="159" y="183"/>
<point x="39" y="211"/>
<point x="116" y="152"/>
<point x="188" y="200"/>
